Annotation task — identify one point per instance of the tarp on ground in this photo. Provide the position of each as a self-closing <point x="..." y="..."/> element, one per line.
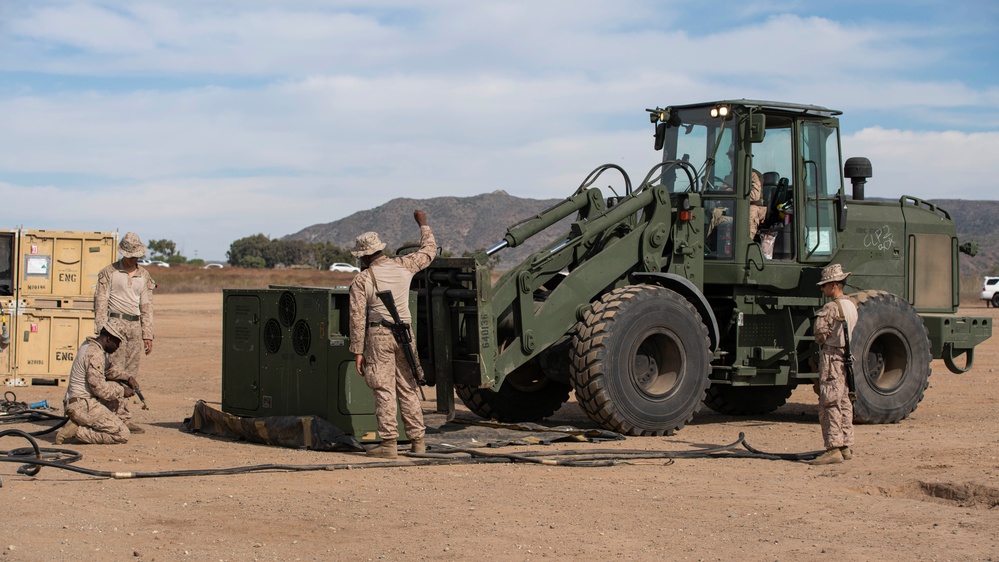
<point x="296" y="432"/>
<point x="465" y="431"/>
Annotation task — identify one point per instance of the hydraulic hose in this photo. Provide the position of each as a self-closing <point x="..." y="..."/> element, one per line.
<point x="35" y="457"/>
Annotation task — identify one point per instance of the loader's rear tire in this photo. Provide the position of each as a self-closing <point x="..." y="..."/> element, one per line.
<point x="522" y="397"/>
<point x="746" y="400"/>
<point x="640" y="361"/>
<point x="891" y="350"/>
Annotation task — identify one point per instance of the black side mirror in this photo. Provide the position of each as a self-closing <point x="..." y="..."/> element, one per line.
<point x="757" y="127"/>
<point x="660" y="135"/>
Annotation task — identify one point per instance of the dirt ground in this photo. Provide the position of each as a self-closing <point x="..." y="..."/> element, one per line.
<point x="923" y="489"/>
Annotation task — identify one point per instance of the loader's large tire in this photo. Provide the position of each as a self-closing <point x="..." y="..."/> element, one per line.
<point x="517" y="400"/>
<point x="746" y="400"/>
<point x="641" y="360"/>
<point x="891" y="349"/>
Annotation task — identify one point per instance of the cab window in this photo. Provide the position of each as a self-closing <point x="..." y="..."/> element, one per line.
<point x="822" y="182"/>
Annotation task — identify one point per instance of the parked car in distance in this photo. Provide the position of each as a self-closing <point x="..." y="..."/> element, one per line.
<point x="145" y="263"/>
<point x="344" y="268"/>
<point x="989" y="288"/>
<point x="213" y="266"/>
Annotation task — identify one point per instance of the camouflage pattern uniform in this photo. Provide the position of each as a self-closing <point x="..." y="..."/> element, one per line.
<point x="757" y="207"/>
<point x="126" y="301"/>
<point x="91" y="401"/>
<point x="387" y="371"/>
<point x="835" y="407"/>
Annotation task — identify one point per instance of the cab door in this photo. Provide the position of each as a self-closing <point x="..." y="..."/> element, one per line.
<point x="819" y="170"/>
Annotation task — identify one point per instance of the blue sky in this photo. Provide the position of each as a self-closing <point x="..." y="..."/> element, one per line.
<point x="207" y="121"/>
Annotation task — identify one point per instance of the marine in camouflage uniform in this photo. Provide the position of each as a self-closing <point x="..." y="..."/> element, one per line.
<point x="380" y="359"/>
<point x="91" y="400"/>
<point x="835" y="407"/>
<point x="757" y="207"/>
<point x="124" y="299"/>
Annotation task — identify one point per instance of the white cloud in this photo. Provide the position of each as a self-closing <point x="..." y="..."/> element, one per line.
<point x="80" y="26"/>
<point x="247" y="115"/>
<point x="929" y="165"/>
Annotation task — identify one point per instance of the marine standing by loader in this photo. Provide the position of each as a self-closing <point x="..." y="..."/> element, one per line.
<point x="380" y="358"/>
<point x="833" y="328"/>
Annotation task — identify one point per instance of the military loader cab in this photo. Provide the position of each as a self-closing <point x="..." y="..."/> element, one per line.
<point x="657" y="300"/>
<point x="795" y="149"/>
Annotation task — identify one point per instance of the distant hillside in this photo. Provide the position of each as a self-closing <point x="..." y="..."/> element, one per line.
<point x="460" y="223"/>
<point x="480" y="221"/>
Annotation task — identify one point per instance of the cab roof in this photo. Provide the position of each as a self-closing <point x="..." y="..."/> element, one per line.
<point x="767" y="105"/>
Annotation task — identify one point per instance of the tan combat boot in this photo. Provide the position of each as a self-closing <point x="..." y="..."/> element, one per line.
<point x="831" y="456"/>
<point x="134" y="428"/>
<point x="67" y="431"/>
<point x="847" y="453"/>
<point x="387" y="449"/>
<point x="419" y="446"/>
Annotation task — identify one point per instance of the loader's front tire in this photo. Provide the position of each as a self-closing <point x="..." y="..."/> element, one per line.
<point x="641" y="360"/>
<point x="891" y="350"/>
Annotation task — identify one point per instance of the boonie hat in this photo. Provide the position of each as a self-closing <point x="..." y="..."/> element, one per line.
<point x="131" y="246"/>
<point x="109" y="328"/>
<point x="367" y="244"/>
<point x="832" y="273"/>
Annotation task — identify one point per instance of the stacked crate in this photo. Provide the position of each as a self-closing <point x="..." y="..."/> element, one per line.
<point x="55" y="275"/>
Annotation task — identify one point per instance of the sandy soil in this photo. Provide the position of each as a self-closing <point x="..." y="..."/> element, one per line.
<point x="926" y="488"/>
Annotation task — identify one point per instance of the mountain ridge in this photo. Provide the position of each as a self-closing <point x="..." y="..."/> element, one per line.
<point x="480" y="221"/>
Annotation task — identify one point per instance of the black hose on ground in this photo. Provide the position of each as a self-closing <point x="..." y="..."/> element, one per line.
<point x="12" y="411"/>
<point x="31" y="416"/>
<point x="35" y="457"/>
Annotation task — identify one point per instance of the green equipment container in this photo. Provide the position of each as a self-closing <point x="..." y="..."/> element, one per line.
<point x="286" y="353"/>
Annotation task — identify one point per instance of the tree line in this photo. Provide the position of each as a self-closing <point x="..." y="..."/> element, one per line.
<point x="261" y="252"/>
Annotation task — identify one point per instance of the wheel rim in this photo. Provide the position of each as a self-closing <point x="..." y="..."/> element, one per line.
<point x="887" y="361"/>
<point x="657" y="364"/>
<point x="527" y="380"/>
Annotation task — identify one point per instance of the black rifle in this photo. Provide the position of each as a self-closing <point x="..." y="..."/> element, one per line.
<point x="851" y="383"/>
<point x="135" y="388"/>
<point x="402" y="334"/>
